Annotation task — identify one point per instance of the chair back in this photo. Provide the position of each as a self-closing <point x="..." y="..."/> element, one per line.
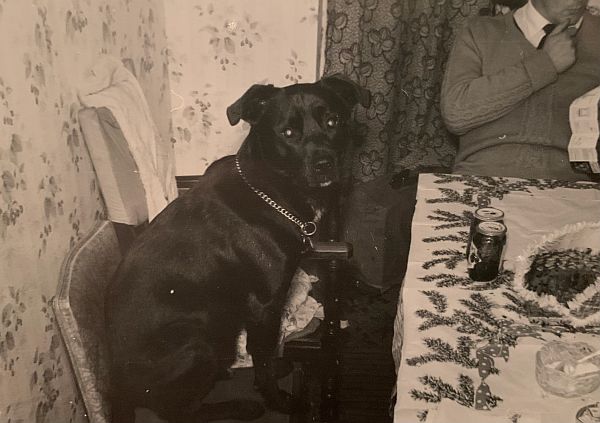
<point x="79" y="310"/>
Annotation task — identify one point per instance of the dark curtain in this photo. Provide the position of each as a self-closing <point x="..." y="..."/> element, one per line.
<point x="397" y="49"/>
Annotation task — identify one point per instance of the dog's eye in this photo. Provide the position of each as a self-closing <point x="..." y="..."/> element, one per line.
<point x="332" y="122"/>
<point x="288" y="132"/>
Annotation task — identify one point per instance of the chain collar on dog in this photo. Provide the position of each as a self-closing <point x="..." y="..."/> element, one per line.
<point x="307" y="228"/>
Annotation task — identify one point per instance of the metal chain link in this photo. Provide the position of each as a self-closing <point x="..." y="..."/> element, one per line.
<point x="307" y="228"/>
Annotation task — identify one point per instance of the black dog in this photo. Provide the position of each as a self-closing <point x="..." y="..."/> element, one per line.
<point x="222" y="256"/>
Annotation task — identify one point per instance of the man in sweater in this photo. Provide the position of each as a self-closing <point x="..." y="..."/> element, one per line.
<point x="509" y="83"/>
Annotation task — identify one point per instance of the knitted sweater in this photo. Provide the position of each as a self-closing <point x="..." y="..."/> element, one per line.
<point x="508" y="103"/>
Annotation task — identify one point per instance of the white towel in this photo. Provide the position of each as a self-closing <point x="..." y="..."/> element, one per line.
<point x="107" y="83"/>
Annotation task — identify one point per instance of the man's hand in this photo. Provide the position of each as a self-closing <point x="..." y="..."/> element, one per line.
<point x="560" y="46"/>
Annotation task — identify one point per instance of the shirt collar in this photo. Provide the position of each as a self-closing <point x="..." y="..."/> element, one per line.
<point x="532" y="23"/>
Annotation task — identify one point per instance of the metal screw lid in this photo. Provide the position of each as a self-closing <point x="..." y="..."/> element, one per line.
<point x="491" y="228"/>
<point x="489" y="214"/>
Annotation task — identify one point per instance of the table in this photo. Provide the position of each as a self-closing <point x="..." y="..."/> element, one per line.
<point x="451" y="367"/>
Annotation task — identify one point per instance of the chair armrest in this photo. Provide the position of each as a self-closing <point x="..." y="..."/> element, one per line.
<point x="329" y="250"/>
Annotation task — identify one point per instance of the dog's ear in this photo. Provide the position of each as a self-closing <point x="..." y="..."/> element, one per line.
<point x="348" y="90"/>
<point x="251" y="105"/>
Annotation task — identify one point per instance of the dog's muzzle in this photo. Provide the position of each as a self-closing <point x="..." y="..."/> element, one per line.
<point x="323" y="171"/>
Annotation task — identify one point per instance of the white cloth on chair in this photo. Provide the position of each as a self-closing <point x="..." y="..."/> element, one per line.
<point x="109" y="84"/>
<point x="299" y="312"/>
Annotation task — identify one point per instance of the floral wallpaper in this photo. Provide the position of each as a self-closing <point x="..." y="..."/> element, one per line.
<point x="49" y="196"/>
<point x="217" y="49"/>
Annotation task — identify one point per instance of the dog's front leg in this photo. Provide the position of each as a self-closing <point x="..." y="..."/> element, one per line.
<point x="263" y="335"/>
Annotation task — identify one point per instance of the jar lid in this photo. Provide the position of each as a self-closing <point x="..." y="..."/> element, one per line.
<point x="489" y="213"/>
<point x="491" y="228"/>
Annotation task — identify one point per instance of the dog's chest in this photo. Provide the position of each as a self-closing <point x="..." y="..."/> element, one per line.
<point x="318" y="212"/>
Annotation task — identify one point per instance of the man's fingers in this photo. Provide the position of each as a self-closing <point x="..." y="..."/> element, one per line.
<point x="560" y="27"/>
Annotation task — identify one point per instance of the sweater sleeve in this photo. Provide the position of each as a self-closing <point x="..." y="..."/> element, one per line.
<point x="470" y="99"/>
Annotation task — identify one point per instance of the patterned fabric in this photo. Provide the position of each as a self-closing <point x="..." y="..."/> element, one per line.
<point x="468" y="349"/>
<point x="398" y="50"/>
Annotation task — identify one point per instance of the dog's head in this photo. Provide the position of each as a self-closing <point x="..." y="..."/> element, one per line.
<point x="300" y="131"/>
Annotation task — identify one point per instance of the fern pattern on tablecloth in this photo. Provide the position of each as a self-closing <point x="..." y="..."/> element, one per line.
<point x="489" y="318"/>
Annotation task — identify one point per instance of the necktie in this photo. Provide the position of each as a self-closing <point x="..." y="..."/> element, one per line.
<point x="547" y="30"/>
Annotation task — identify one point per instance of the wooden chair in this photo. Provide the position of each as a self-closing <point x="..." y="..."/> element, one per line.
<point x="320" y="352"/>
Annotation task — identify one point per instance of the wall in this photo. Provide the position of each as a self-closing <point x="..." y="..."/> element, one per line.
<point x="48" y="192"/>
<point x="217" y="49"/>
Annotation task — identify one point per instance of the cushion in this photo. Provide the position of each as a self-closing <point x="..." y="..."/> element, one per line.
<point x="115" y="168"/>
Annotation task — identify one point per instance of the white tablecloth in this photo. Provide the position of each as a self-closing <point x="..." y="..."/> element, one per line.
<point x="452" y="338"/>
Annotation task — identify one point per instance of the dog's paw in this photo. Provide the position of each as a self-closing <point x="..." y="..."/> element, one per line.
<point x="247" y="409"/>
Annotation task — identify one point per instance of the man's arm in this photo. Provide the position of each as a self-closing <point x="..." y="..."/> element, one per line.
<point x="470" y="99"/>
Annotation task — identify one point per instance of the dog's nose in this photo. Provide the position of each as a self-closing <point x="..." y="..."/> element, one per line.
<point x="323" y="165"/>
